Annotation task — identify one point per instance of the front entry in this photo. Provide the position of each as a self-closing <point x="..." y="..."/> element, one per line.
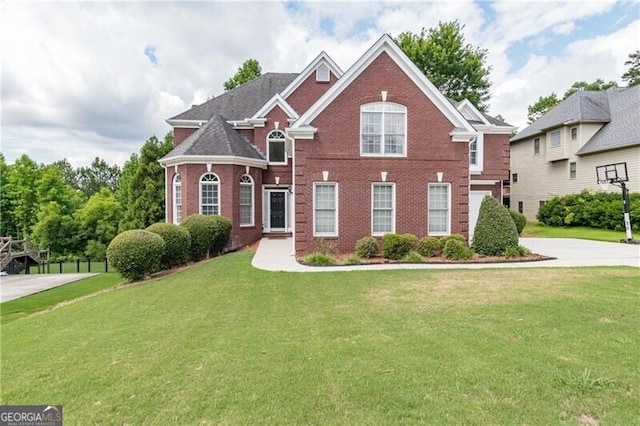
<point x="276" y="216"/>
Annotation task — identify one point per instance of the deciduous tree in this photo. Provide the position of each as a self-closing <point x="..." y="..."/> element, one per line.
<point x="632" y="75"/>
<point x="455" y="67"/>
<point x="249" y="70"/>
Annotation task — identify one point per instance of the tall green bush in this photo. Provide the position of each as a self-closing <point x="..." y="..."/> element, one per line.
<point x="221" y="229"/>
<point x="177" y="242"/>
<point x="136" y="253"/>
<point x="495" y="229"/>
<point x="209" y="234"/>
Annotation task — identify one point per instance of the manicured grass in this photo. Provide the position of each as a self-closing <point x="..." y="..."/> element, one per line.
<point x="18" y="308"/>
<point x="223" y="343"/>
<point x="535" y="229"/>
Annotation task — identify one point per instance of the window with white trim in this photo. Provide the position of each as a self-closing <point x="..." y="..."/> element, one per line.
<point x="246" y="200"/>
<point x="473" y="152"/>
<point x="439" y="209"/>
<point x="322" y="73"/>
<point x="383" y="129"/>
<point x="574" y="133"/>
<point x="554" y="139"/>
<point x="573" y="168"/>
<point x="383" y="206"/>
<point x="209" y="194"/>
<point x="325" y="209"/>
<point x="536" y="146"/>
<point x="177" y="199"/>
<point x="276" y="147"/>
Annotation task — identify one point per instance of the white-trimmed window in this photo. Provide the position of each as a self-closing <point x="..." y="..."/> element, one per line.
<point x="554" y="139"/>
<point x="439" y="208"/>
<point x="276" y="147"/>
<point x="177" y="199"/>
<point x="246" y="200"/>
<point x="209" y="194"/>
<point x="383" y="208"/>
<point x="536" y="146"/>
<point x="476" y="153"/>
<point x="573" y="168"/>
<point x="473" y="152"/>
<point x="383" y="129"/>
<point x="325" y="209"/>
<point x="574" y="133"/>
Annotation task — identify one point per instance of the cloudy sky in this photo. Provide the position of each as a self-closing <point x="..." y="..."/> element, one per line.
<point x="81" y="80"/>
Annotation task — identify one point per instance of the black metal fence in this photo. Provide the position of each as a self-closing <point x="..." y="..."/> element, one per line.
<point x="76" y="266"/>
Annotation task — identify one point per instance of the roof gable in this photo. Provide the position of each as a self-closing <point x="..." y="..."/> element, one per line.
<point x="387" y="45"/>
<point x="279" y="101"/>
<point x="322" y="58"/>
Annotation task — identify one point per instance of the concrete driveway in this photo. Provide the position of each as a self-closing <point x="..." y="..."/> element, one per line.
<point x="17" y="286"/>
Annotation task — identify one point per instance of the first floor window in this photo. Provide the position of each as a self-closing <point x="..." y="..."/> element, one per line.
<point x="439" y="200"/>
<point x="209" y="194"/>
<point x="177" y="199"/>
<point x="520" y="206"/>
<point x="325" y="209"/>
<point x="514" y="177"/>
<point x="572" y="170"/>
<point x="246" y="201"/>
<point x="383" y="208"/>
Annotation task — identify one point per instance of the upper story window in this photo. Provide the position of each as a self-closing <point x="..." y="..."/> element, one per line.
<point x="536" y="146"/>
<point x="383" y="129"/>
<point x="276" y="147"/>
<point x="246" y="201"/>
<point x="574" y="133"/>
<point x="554" y="139"/>
<point x="209" y="194"/>
<point x="476" y="149"/>
<point x="177" y="199"/>
<point x="473" y="152"/>
<point x="322" y="73"/>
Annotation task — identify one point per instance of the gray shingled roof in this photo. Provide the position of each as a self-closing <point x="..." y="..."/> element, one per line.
<point x="241" y="102"/>
<point x="624" y="128"/>
<point x="216" y="137"/>
<point x="489" y="118"/>
<point x="581" y="106"/>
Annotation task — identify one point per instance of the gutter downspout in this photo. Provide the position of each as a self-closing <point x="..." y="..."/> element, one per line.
<point x="293" y="195"/>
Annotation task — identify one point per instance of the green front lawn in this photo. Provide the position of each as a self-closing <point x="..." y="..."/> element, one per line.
<point x="223" y="343"/>
<point x="535" y="229"/>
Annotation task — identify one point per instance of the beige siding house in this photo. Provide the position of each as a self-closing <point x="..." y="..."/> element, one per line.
<point x="559" y="152"/>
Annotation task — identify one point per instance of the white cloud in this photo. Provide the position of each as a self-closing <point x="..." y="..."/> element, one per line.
<point x="79" y="80"/>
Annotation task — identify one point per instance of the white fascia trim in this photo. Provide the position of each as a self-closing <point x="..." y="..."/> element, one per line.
<point x="386" y="44"/>
<point x="214" y="159"/>
<point x="186" y="124"/>
<point x="276" y="100"/>
<point x="495" y="130"/>
<point x="465" y="103"/>
<point x="306" y="132"/>
<point x="323" y="57"/>
<point x="483" y="182"/>
<point x="457" y="136"/>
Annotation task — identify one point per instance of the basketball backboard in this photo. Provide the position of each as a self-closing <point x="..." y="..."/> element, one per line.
<point x="612" y="173"/>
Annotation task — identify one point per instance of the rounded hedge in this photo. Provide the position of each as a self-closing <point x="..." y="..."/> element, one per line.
<point x="495" y="230"/>
<point x="209" y="234"/>
<point x="136" y="253"/>
<point x="177" y="242"/>
<point x="454" y="249"/>
<point x="397" y="246"/>
<point x="519" y="219"/>
<point x="429" y="246"/>
<point x="367" y="247"/>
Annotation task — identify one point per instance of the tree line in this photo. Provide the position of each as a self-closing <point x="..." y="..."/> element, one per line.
<point x="78" y="211"/>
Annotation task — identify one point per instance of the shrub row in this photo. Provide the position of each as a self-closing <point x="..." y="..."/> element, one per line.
<point x="602" y="210"/>
<point x="138" y="253"/>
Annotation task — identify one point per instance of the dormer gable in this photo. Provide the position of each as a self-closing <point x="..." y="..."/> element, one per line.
<point x="471" y="113"/>
<point x="321" y="67"/>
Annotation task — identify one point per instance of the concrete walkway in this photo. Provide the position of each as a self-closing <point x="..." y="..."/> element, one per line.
<point x="17" y="286"/>
<point x="276" y="255"/>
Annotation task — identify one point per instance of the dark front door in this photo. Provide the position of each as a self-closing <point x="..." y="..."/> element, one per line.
<point x="277" y="208"/>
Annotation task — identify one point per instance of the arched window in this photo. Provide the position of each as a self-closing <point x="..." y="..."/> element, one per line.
<point x="276" y="147"/>
<point x="383" y="129"/>
<point x="209" y="194"/>
<point x="177" y="199"/>
<point x="246" y="200"/>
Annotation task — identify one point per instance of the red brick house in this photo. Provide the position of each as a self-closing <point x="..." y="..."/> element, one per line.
<point x="338" y="156"/>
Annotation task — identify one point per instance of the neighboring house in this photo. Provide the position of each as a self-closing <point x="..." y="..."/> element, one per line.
<point x="558" y="153"/>
<point x="337" y="156"/>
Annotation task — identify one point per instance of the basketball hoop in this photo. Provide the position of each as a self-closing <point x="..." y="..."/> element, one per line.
<point x="604" y="184"/>
<point x="616" y="175"/>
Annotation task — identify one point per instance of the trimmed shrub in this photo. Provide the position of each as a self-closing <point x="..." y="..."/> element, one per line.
<point x="454" y="249"/>
<point x="495" y="230"/>
<point x="519" y="219"/>
<point x="429" y="246"/>
<point x="457" y="237"/>
<point x="221" y="229"/>
<point x="397" y="246"/>
<point x="413" y="257"/>
<point x="367" y="247"/>
<point x="319" y="258"/>
<point x="519" y="251"/>
<point x="136" y="253"/>
<point x="201" y="235"/>
<point x="177" y="243"/>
